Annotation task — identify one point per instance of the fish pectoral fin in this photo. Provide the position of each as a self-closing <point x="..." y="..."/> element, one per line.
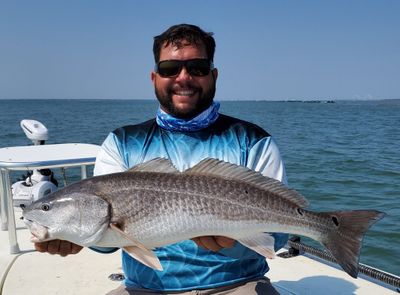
<point x="262" y="243"/>
<point x="117" y="229"/>
<point x="134" y="242"/>
<point x="138" y="251"/>
<point x="145" y="256"/>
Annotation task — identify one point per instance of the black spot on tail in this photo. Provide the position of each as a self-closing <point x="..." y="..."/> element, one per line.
<point x="345" y="238"/>
<point x="335" y="220"/>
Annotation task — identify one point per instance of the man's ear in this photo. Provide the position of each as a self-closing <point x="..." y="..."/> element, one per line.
<point x="214" y="72"/>
<point x="153" y="77"/>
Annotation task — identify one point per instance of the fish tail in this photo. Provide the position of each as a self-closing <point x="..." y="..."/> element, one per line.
<point x="345" y="239"/>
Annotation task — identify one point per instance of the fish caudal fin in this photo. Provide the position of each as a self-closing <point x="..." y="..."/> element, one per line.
<point x="344" y="241"/>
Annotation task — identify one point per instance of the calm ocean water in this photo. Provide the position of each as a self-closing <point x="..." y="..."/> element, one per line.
<point x="343" y="155"/>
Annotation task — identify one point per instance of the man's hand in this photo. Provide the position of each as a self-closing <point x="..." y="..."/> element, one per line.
<point x="214" y="243"/>
<point x="59" y="247"/>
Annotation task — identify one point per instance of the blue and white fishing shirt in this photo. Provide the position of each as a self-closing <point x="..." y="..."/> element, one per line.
<point x="187" y="266"/>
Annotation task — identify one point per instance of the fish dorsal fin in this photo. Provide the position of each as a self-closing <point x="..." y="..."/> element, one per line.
<point x="227" y="170"/>
<point x="156" y="165"/>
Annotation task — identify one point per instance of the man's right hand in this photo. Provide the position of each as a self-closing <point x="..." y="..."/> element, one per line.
<point x="59" y="247"/>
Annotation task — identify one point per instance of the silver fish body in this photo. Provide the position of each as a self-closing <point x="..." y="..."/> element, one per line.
<point x="154" y="205"/>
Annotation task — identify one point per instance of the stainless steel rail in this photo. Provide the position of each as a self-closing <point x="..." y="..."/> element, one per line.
<point x="37" y="157"/>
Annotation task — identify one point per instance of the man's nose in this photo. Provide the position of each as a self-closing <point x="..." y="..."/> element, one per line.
<point x="183" y="75"/>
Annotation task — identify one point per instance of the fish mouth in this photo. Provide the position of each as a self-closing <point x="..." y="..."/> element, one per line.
<point x="40" y="233"/>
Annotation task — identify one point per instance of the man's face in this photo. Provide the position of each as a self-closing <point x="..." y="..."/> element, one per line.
<point x="184" y="96"/>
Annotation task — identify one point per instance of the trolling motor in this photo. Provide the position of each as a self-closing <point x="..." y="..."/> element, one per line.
<point x="35" y="131"/>
<point x="37" y="183"/>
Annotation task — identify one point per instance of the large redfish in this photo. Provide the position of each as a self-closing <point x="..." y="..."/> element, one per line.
<point x="154" y="205"/>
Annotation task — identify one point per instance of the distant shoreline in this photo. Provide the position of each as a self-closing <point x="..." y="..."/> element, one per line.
<point x="221" y="100"/>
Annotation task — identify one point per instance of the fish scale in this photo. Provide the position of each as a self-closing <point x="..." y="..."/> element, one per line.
<point x="204" y="197"/>
<point x="153" y="205"/>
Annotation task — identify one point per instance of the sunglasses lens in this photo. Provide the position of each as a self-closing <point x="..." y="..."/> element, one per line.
<point x="195" y="67"/>
<point x="198" y="67"/>
<point x="169" y="68"/>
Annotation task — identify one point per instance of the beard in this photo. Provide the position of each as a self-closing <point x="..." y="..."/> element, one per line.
<point x="205" y="99"/>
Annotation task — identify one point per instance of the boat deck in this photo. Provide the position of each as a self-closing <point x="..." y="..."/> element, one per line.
<point x="30" y="272"/>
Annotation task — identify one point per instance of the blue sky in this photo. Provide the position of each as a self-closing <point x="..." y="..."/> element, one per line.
<point x="272" y="50"/>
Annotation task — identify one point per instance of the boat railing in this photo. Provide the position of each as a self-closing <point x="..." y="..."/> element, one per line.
<point x="23" y="158"/>
<point x="297" y="247"/>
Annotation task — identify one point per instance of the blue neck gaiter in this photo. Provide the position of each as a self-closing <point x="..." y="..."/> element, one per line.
<point x="201" y="121"/>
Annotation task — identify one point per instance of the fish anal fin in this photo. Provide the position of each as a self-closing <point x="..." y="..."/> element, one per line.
<point x="262" y="243"/>
<point x="145" y="256"/>
<point x="156" y="165"/>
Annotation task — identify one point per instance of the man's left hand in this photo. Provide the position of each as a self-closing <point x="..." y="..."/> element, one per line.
<point x="214" y="243"/>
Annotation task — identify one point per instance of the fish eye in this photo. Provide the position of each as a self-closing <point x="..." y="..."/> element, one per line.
<point x="45" y="207"/>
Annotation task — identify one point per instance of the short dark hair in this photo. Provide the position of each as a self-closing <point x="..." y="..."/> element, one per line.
<point x="184" y="32"/>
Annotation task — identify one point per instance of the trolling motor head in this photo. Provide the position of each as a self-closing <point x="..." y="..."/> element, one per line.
<point x="37" y="183"/>
<point x="35" y="131"/>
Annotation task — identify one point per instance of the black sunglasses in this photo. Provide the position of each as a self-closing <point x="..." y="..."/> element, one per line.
<point x="195" y="67"/>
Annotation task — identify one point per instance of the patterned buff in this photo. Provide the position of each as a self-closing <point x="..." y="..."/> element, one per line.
<point x="203" y="120"/>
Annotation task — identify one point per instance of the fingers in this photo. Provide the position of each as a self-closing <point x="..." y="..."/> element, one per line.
<point x="65" y="248"/>
<point x="225" y="242"/>
<point x="214" y="243"/>
<point x="75" y="248"/>
<point x="53" y="247"/>
<point x="59" y="247"/>
<point x="198" y="242"/>
<point x="41" y="247"/>
<point x="210" y="243"/>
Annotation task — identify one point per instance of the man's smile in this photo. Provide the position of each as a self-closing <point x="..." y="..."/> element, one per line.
<point x="184" y="92"/>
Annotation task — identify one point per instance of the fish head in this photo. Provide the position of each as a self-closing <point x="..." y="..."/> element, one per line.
<point x="77" y="217"/>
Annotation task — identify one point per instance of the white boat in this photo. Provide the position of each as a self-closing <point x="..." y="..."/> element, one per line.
<point x="25" y="271"/>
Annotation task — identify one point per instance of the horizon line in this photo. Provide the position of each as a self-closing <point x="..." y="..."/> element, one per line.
<point x="220" y="99"/>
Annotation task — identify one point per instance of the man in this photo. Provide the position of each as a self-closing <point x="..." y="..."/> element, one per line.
<point x="187" y="129"/>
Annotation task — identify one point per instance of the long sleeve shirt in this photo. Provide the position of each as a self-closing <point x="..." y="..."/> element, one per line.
<point x="187" y="266"/>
